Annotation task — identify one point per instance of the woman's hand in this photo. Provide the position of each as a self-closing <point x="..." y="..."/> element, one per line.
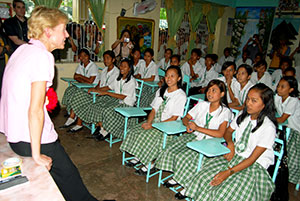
<point x="191" y="127"/>
<point x="146" y="126"/>
<point x="220" y="177"/>
<point x="43" y="160"/>
<point x="230" y="155"/>
<point x="92" y="90"/>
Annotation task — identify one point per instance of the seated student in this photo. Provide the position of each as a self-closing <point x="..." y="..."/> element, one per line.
<point x="192" y="67"/>
<point x="242" y="174"/>
<point x="175" y="61"/>
<point x="258" y="57"/>
<point x="228" y="71"/>
<point x="277" y="74"/>
<point x="124" y="95"/>
<point x="288" y="108"/>
<point x="240" y="92"/>
<point x="81" y="98"/>
<point x="290" y="71"/>
<point x="226" y="57"/>
<point x="145" y="142"/>
<point x="148" y="72"/>
<point x="217" y="67"/>
<point x="207" y="74"/>
<point x="245" y="59"/>
<point x="164" y="63"/>
<point x="137" y="61"/>
<point x="261" y="75"/>
<point x="211" y="119"/>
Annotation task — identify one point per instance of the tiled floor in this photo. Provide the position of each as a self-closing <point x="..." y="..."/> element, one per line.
<point x="104" y="175"/>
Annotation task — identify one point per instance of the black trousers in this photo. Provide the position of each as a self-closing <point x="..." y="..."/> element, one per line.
<point x="63" y="171"/>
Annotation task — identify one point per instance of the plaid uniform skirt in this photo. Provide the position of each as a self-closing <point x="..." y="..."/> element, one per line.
<point x="113" y="122"/>
<point x="293" y="152"/>
<point x="144" y="144"/>
<point x="253" y="183"/>
<point x="68" y="96"/>
<point x="147" y="96"/>
<point x="180" y="159"/>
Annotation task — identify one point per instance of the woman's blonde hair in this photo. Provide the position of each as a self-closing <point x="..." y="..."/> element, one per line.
<point x="43" y="17"/>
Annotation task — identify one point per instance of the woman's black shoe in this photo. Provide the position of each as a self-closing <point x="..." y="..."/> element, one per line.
<point x="101" y="137"/>
<point x="169" y="185"/>
<point x="179" y="196"/>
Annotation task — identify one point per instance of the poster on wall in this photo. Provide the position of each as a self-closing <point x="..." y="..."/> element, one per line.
<point x="249" y="21"/>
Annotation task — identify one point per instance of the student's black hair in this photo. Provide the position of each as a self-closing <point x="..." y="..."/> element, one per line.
<point x="227" y="64"/>
<point x="165" y="86"/>
<point x="247" y="67"/>
<point x="150" y="51"/>
<point x="169" y="49"/>
<point x="290" y="69"/>
<point x="293" y="84"/>
<point x="267" y="96"/>
<point x="135" y="49"/>
<point x="17" y="1"/>
<point x="221" y="85"/>
<point x="209" y="56"/>
<point x="260" y="55"/>
<point x="214" y="57"/>
<point x="110" y="53"/>
<point x="175" y="56"/>
<point x="285" y="59"/>
<point x="227" y="49"/>
<point x="130" y="72"/>
<point x="261" y="63"/>
<point x="196" y="51"/>
<point x="125" y="30"/>
<point x="86" y="51"/>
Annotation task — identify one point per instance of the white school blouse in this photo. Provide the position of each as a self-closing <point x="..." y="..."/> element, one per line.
<point x="240" y="62"/>
<point x="207" y="76"/>
<point x="199" y="113"/>
<point x="175" y="103"/>
<point x="266" y="79"/>
<point x="234" y="86"/>
<point x="107" y="78"/>
<point x="223" y="59"/>
<point x="185" y="69"/>
<point x="241" y="94"/>
<point x="127" y="89"/>
<point x="150" y="70"/>
<point x="138" y="66"/>
<point x="262" y="137"/>
<point x="276" y="76"/>
<point x="90" y="70"/>
<point x="163" y="65"/>
<point x="290" y="106"/>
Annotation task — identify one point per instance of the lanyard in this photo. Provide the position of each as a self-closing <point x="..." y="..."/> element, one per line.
<point x="145" y="71"/>
<point x="207" y="119"/>
<point x="121" y="86"/>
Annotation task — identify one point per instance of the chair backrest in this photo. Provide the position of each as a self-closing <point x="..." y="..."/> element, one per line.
<point x="234" y="111"/>
<point x="187" y="105"/>
<point x="279" y="154"/>
<point x="139" y="89"/>
<point x="186" y="79"/>
<point x="161" y="72"/>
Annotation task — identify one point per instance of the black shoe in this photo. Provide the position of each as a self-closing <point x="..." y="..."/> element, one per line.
<point x="131" y="164"/>
<point x="169" y="185"/>
<point x="95" y="134"/>
<point x="66" y="126"/>
<point x="179" y="196"/>
<point x="140" y="172"/>
<point x="74" y="130"/>
<point x="101" y="137"/>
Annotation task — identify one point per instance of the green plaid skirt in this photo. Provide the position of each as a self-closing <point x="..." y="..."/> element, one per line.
<point x="253" y="183"/>
<point x="180" y="159"/>
<point x="68" y="96"/>
<point x="147" y="96"/>
<point x="144" y="144"/>
<point x="293" y="152"/>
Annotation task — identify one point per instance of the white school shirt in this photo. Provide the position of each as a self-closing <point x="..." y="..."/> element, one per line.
<point x="199" y="113"/>
<point x="207" y="76"/>
<point x="90" y="70"/>
<point x="217" y="67"/>
<point x="266" y="79"/>
<point x="241" y="94"/>
<point x="128" y="89"/>
<point x="162" y="64"/>
<point x="224" y="59"/>
<point x="276" y="76"/>
<point x="264" y="136"/>
<point x="175" y="103"/>
<point x="297" y="59"/>
<point x="290" y="106"/>
<point x="138" y="66"/>
<point x="240" y="62"/>
<point x="234" y="86"/>
<point x="202" y="61"/>
<point x="147" y="72"/>
<point x="107" y="78"/>
<point x="185" y="69"/>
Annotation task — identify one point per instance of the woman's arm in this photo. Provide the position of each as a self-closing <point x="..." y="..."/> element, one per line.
<point x="211" y="132"/>
<point x="148" y="125"/>
<point x="36" y="122"/>
<point x="74" y="47"/>
<point x="283" y="118"/>
<point x="220" y="177"/>
<point x="230" y="144"/>
<point x="151" y="79"/>
<point x="114" y="95"/>
<point x="99" y="90"/>
<point x="116" y="43"/>
<point x="83" y="79"/>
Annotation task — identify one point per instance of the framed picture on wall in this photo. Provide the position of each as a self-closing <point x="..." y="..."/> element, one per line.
<point x="142" y="31"/>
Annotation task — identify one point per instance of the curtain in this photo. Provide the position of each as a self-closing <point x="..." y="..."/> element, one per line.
<point x="195" y="17"/>
<point x="97" y="8"/>
<point x="48" y="3"/>
<point x="175" y="12"/>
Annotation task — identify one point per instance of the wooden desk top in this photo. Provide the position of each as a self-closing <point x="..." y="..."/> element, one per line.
<point x="41" y="186"/>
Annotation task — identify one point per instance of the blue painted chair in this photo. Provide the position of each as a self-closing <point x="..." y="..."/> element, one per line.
<point x="69" y="80"/>
<point x="128" y="112"/>
<point x="196" y="97"/>
<point x="161" y="72"/>
<point x="186" y="79"/>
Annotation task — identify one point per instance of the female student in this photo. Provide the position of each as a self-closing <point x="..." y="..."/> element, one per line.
<point x="277" y="74"/>
<point x="145" y="142"/>
<point x="242" y="174"/>
<point x="148" y="72"/>
<point x="288" y="108"/>
<point x="164" y="63"/>
<point x="81" y="98"/>
<point x="124" y="95"/>
<point x="211" y="119"/>
<point x="261" y="75"/>
<point x="241" y="90"/>
<point x="137" y="61"/>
